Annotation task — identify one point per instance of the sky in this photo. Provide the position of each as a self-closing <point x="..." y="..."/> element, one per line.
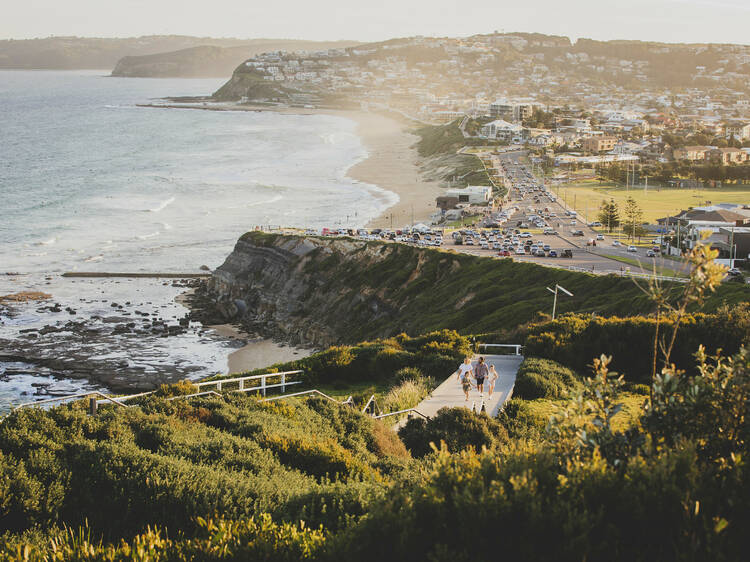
<point x="674" y="21"/>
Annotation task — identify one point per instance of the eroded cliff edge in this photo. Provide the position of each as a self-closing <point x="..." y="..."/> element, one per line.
<point x="316" y="291"/>
<point x="307" y="291"/>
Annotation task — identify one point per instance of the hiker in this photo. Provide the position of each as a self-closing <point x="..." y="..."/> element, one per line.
<point x="491" y="378"/>
<point x="463" y="374"/>
<point x="480" y="372"/>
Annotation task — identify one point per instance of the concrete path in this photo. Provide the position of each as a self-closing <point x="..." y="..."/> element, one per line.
<point x="449" y="393"/>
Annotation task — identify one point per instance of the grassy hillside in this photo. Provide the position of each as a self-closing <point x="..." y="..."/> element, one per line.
<point x="417" y="290"/>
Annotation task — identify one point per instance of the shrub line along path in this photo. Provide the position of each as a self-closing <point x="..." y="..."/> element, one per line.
<point x="449" y="393"/>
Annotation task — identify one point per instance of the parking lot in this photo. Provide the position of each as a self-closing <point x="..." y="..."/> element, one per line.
<point x="539" y="228"/>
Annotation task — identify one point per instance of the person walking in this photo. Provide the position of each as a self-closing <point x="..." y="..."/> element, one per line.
<point x="491" y="378"/>
<point x="464" y="376"/>
<point x="480" y="372"/>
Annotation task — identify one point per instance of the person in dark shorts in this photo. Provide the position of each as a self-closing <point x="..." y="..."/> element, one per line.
<point x="480" y="372"/>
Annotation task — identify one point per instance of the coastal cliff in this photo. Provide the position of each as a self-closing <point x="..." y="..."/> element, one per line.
<point x="315" y="291"/>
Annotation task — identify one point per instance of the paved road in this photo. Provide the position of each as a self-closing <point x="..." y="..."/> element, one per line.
<point x="449" y="393"/>
<point x="598" y="259"/>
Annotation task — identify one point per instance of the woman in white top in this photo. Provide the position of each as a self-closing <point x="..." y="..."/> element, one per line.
<point x="463" y="374"/>
<point x="491" y="378"/>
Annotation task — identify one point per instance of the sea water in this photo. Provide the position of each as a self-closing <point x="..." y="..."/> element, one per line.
<point x="90" y="181"/>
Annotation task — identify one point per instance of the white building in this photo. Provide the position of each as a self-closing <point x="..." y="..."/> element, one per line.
<point x="473" y="194"/>
<point x="500" y="129"/>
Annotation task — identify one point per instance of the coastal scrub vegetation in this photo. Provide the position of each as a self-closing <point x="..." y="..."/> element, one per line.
<point x="582" y="464"/>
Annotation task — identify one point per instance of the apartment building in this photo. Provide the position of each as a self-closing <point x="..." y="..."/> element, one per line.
<point x="727" y="155"/>
<point x="740" y="131"/>
<point x="692" y="153"/>
<point x="598" y="144"/>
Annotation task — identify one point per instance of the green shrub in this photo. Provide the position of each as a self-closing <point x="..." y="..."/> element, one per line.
<point x="575" y="340"/>
<point x="542" y="378"/>
<point x="458" y="428"/>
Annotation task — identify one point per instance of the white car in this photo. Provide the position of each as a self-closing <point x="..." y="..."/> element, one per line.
<point x="632" y="249"/>
<point x="600" y="237"/>
<point x="616" y="243"/>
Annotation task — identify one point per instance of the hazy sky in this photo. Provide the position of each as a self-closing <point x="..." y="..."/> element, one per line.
<point x="660" y="20"/>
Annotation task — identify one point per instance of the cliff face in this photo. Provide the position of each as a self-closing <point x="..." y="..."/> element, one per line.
<point x="297" y="289"/>
<point x="314" y="291"/>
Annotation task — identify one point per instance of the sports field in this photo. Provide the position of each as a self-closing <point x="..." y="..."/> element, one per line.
<point x="587" y="196"/>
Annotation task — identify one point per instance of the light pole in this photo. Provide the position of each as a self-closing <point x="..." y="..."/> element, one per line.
<point x="554" y="302"/>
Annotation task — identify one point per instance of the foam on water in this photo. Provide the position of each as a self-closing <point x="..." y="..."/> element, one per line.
<point x="155" y="189"/>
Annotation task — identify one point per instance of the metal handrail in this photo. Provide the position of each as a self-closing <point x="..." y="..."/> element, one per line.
<point x="69" y="397"/>
<point x="400" y="412"/>
<point x="313" y="391"/>
<point x="516" y="346"/>
<point x="195" y="394"/>
<point x="220" y="382"/>
<point x="371" y="401"/>
<point x="241" y="380"/>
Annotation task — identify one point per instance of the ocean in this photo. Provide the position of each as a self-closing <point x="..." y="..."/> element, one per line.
<point x="89" y="181"/>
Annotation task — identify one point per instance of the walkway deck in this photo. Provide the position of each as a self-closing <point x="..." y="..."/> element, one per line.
<point x="449" y="393"/>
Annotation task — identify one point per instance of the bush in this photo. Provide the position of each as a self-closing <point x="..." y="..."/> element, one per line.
<point x="575" y="340"/>
<point x="458" y="428"/>
<point x="520" y="420"/>
<point x="542" y="378"/>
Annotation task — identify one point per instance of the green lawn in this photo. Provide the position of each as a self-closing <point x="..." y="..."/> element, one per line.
<point x="587" y="196"/>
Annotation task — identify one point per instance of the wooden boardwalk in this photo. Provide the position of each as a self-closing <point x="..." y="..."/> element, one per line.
<point x="449" y="393"/>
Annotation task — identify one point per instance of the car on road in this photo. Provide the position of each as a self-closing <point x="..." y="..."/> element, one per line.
<point x="595" y="223"/>
<point x="616" y="243"/>
<point x="632" y="249"/>
<point x="567" y="253"/>
<point x="650" y="254"/>
<point x="552" y="254"/>
<point x="577" y="233"/>
<point x="519" y="251"/>
<point x="503" y="253"/>
<point x="600" y="236"/>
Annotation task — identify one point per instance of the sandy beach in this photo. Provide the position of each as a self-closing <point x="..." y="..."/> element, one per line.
<point x="393" y="165"/>
<point x="256" y="353"/>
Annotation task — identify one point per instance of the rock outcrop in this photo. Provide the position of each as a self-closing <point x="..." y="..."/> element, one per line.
<point x="298" y="289"/>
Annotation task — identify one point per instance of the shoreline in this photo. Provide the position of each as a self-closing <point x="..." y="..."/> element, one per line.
<point x="392" y="162"/>
<point x="257" y="352"/>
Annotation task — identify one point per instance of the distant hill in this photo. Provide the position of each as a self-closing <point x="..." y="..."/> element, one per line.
<point x="74" y="53"/>
<point x="209" y="60"/>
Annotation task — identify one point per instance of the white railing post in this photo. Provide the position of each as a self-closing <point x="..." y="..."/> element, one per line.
<point x="283" y="383"/>
<point x="263" y="385"/>
<point x="242" y="384"/>
<point x="218" y="386"/>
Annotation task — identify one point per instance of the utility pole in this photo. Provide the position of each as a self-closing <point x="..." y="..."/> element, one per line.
<point x="554" y="302"/>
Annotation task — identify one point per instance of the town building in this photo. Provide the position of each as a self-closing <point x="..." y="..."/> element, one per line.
<point x="598" y="144"/>
<point x="692" y="153"/>
<point x="472" y="194"/>
<point x="738" y="130"/>
<point x="727" y="155"/>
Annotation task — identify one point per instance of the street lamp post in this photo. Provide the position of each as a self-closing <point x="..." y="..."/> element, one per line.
<point x="554" y="302"/>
